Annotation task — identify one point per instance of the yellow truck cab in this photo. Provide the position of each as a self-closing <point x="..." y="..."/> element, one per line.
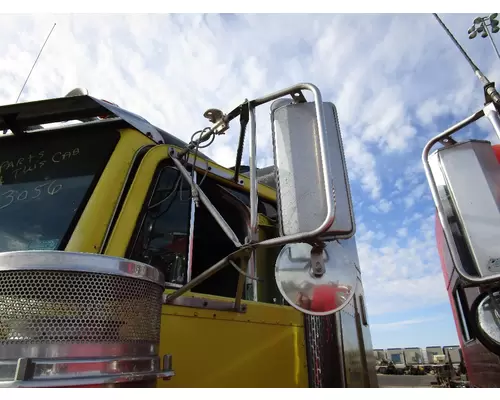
<point x="129" y="258"/>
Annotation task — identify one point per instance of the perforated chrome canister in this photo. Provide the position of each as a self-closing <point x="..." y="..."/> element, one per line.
<point x="76" y="319"/>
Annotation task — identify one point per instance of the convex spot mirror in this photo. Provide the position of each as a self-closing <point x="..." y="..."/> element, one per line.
<point x="486" y="318"/>
<point x="308" y="288"/>
<point x="314" y="197"/>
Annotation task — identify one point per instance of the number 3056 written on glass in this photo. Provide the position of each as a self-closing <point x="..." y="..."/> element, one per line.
<point x="14" y="196"/>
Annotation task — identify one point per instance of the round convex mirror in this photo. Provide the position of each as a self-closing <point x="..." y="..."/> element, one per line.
<point x="310" y="287"/>
<point x="487" y="320"/>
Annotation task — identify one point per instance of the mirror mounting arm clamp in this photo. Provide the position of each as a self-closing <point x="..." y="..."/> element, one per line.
<point x="298" y="97"/>
<point x="491" y="111"/>
<point x="317" y="261"/>
<point x="491" y="94"/>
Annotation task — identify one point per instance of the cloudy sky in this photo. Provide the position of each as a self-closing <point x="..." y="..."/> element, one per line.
<point x="395" y="79"/>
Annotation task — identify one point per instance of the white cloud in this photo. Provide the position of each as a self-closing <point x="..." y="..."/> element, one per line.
<point x="430" y="109"/>
<point x="170" y="68"/>
<point x="402" y="232"/>
<point x="399" y="184"/>
<point x="403" y="271"/>
<point x="383" y="206"/>
<point x="361" y="166"/>
<point x="409" y="220"/>
<point x="388" y="76"/>
<point x="417" y="194"/>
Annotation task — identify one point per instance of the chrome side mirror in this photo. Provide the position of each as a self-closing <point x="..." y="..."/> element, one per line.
<point x="466" y="176"/>
<point x="314" y="198"/>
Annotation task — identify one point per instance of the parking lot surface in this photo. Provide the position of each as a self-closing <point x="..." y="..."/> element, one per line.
<point x="405" y="381"/>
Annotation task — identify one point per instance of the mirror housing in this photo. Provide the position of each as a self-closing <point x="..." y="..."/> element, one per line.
<point x="467" y="178"/>
<point x="313" y="192"/>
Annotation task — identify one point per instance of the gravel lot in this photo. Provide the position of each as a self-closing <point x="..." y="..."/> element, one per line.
<point x="405" y="381"/>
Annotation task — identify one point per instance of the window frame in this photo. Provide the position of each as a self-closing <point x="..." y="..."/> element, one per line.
<point x="160" y="167"/>
<point x="462" y="308"/>
<point x="199" y="177"/>
<point x="131" y="214"/>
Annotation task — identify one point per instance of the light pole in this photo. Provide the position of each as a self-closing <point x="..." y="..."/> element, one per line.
<point x="482" y="25"/>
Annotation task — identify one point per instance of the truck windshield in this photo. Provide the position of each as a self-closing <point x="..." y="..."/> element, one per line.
<point x="45" y="181"/>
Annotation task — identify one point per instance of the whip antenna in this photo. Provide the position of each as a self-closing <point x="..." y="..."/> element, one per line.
<point x="34" y="64"/>
<point x="489" y="87"/>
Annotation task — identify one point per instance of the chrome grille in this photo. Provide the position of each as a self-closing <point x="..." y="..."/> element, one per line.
<point x="77" y="319"/>
<point x="56" y="307"/>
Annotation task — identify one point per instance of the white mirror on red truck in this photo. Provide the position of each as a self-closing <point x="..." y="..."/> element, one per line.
<point x="467" y="179"/>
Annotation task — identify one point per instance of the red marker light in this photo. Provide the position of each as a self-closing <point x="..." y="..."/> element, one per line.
<point x="107" y="116"/>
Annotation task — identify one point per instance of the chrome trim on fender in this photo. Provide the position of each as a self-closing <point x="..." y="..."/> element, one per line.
<point x="79" y="262"/>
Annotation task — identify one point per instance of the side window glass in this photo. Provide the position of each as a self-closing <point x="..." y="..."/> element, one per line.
<point x="163" y="236"/>
<point x="211" y="244"/>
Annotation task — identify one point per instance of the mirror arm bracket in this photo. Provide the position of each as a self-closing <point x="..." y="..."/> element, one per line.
<point x="254" y="197"/>
<point x="205" y="275"/>
<point x="244" y="116"/>
<point x="298" y="97"/>
<point x="491" y="111"/>
<point x="206" y="201"/>
<point x="490" y="94"/>
<point x="241" y="283"/>
<point x="317" y="262"/>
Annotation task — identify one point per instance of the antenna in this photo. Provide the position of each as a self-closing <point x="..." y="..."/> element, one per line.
<point x="32" y="68"/>
<point x="34" y="64"/>
<point x="489" y="87"/>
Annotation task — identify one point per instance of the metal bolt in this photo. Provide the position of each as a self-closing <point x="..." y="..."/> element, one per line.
<point x="167" y="362"/>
